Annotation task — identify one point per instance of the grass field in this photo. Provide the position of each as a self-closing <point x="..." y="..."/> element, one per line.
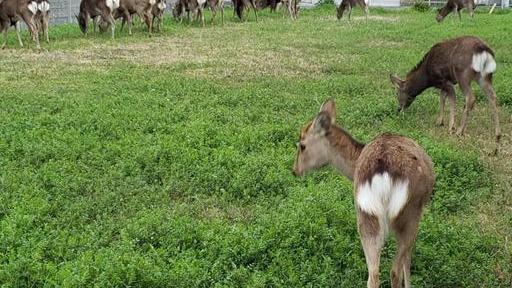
<point x="166" y="161"/>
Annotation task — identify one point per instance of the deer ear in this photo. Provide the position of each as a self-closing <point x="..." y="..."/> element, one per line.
<point x="329" y="107"/>
<point x="397" y="82"/>
<point x="322" y="122"/>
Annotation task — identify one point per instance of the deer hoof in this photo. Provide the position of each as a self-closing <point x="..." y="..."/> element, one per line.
<point x="440" y="122"/>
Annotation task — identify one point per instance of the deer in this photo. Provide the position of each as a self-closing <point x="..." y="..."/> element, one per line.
<point x="393" y="180"/>
<point x="143" y="8"/>
<point x="97" y="9"/>
<point x="349" y="4"/>
<point x="42" y="17"/>
<point x="215" y="5"/>
<point x="12" y="11"/>
<point x="239" y="6"/>
<point x="459" y="60"/>
<point x="158" y="13"/>
<point x="195" y="6"/>
<point x="455" y="6"/>
<point x="290" y="6"/>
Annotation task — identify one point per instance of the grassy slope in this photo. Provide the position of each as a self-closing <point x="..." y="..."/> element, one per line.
<point x="166" y="160"/>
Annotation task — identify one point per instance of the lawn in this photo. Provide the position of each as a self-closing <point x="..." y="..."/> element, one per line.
<point x="166" y="160"/>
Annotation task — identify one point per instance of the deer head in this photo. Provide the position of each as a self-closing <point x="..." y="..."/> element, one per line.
<point x="313" y="146"/>
<point x="404" y="99"/>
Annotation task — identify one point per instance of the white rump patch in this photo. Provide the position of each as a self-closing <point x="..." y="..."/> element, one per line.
<point x="161" y="6"/>
<point x="152" y="2"/>
<point x="32" y="6"/>
<point x="113" y="4"/>
<point x="201" y="2"/>
<point x="366" y="2"/>
<point x="382" y="197"/>
<point x="43" y="6"/>
<point x="483" y="63"/>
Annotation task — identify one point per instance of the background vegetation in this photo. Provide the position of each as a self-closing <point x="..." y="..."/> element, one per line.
<point x="166" y="160"/>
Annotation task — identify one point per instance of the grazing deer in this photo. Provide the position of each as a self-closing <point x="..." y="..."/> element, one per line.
<point x="393" y="180"/>
<point x="12" y="11"/>
<point x="97" y="9"/>
<point x="239" y="6"/>
<point x="292" y="7"/>
<point x="460" y="60"/>
<point x="455" y="6"/>
<point x="194" y="6"/>
<point x="42" y="17"/>
<point x="158" y="13"/>
<point x="349" y="4"/>
<point x="143" y="8"/>
<point x="215" y="5"/>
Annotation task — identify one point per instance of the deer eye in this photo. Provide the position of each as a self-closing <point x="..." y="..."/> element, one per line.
<point x="301" y="146"/>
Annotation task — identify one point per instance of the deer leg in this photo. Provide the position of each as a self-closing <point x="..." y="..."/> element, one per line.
<point x="366" y="13"/>
<point x="460" y="17"/>
<point x="486" y="85"/>
<point x="372" y="239"/>
<point x="349" y="11"/>
<point x="5" y="26"/>
<point x="222" y="13"/>
<point x="465" y="86"/>
<point x="94" y="23"/>
<point x="202" y="16"/>
<point x="45" y="26"/>
<point x="442" y="101"/>
<point x="18" y="32"/>
<point x="253" y="4"/>
<point x="450" y="93"/>
<point x="128" y="18"/>
<point x="29" y="20"/>
<point x="405" y="232"/>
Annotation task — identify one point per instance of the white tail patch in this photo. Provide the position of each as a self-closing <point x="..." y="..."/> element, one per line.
<point x="113" y="4"/>
<point x="43" y="6"/>
<point x="161" y="6"/>
<point x="484" y="63"/>
<point x="32" y="6"/>
<point x="152" y="2"/>
<point x="382" y="196"/>
<point x="366" y="2"/>
<point x="201" y="2"/>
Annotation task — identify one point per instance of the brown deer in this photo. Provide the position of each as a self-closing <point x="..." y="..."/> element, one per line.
<point x="292" y="7"/>
<point x="42" y="17"/>
<point x="158" y="13"/>
<point x="194" y="6"/>
<point x="455" y="6"/>
<point x="393" y="180"/>
<point x="349" y="4"/>
<point x="215" y="5"/>
<point x="97" y="9"/>
<point x="143" y="8"/>
<point x="12" y="11"/>
<point x="239" y="6"/>
<point x="460" y="60"/>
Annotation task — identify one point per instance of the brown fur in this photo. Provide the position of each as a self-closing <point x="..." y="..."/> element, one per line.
<point x="239" y="6"/>
<point x="349" y="4"/>
<point x="215" y="5"/>
<point x="322" y="142"/>
<point x="95" y="10"/>
<point x="158" y="13"/>
<point x="42" y="20"/>
<point x="11" y="12"/>
<point x="455" y="6"/>
<point x="446" y="64"/>
<point x="188" y="6"/>
<point x="127" y="8"/>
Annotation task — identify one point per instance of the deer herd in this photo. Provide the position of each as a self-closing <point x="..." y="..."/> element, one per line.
<point x="392" y="175"/>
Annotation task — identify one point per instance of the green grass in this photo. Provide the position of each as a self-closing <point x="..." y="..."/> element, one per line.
<point x="166" y="161"/>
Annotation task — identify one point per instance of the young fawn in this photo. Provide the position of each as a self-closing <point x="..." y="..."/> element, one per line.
<point x="393" y="180"/>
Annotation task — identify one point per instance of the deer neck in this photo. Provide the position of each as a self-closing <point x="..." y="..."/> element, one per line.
<point x="344" y="151"/>
<point x="417" y="81"/>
